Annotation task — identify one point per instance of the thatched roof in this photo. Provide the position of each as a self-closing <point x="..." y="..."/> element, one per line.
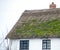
<point x="34" y="24"/>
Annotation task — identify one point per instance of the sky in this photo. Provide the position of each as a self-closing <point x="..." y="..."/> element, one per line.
<point x="11" y="10"/>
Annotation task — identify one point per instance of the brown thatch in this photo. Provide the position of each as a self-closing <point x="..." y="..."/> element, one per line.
<point x="42" y="15"/>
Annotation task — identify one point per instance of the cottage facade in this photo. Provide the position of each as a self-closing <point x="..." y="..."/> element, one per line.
<point x="36" y="30"/>
<point x="34" y="44"/>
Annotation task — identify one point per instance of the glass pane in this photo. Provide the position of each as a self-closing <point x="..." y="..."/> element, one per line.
<point x="48" y="46"/>
<point x="44" y="46"/>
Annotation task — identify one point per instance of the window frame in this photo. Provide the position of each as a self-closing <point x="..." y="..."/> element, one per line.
<point x="24" y="44"/>
<point x="46" y="42"/>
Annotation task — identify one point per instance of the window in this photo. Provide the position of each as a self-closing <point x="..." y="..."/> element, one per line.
<point x="46" y="45"/>
<point x="24" y="45"/>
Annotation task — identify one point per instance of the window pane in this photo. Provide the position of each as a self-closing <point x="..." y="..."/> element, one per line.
<point x="44" y="46"/>
<point x="48" y="46"/>
<point x="24" y="44"/>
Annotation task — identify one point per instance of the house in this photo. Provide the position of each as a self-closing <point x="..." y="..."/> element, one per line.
<point x="36" y="30"/>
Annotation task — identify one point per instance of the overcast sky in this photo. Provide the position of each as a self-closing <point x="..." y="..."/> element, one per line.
<point x="11" y="10"/>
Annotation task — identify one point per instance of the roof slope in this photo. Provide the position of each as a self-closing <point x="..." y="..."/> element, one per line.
<point x="37" y="24"/>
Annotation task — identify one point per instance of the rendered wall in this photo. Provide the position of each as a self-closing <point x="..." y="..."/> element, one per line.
<point x="35" y="44"/>
<point x="55" y="44"/>
<point x="14" y="44"/>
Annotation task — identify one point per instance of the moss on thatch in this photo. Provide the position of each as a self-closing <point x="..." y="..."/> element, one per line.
<point x="48" y="28"/>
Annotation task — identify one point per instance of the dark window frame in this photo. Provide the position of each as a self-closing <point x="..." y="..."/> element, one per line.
<point x="47" y="43"/>
<point x="24" y="44"/>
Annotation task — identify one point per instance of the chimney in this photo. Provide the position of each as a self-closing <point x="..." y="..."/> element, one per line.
<point x="52" y="6"/>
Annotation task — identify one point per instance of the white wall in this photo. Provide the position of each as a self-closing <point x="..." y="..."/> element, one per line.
<point x="14" y="44"/>
<point x="35" y="44"/>
<point x="55" y="44"/>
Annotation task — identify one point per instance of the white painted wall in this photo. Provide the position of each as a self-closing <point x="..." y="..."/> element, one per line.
<point x="35" y="44"/>
<point x="14" y="44"/>
<point x="55" y="44"/>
